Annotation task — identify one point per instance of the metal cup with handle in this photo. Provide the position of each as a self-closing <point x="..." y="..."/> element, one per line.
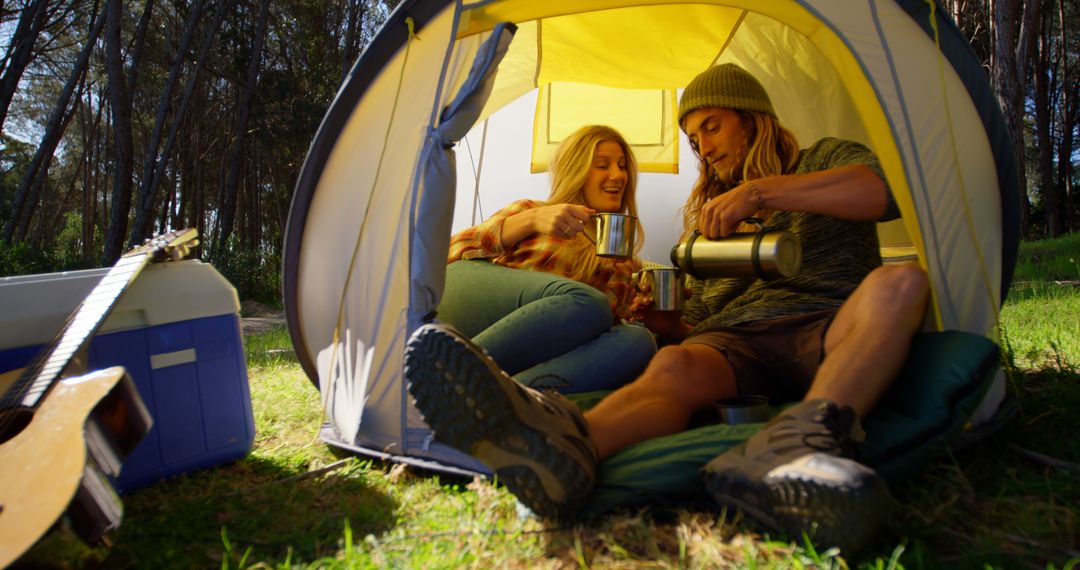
<point x="615" y="234"/>
<point x="666" y="287"/>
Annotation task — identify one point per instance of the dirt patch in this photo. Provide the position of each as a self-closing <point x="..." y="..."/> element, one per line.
<point x="251" y="308"/>
<point x="256" y="317"/>
<point x="252" y="325"/>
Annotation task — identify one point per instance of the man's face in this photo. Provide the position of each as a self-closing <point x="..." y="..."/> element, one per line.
<point x="720" y="138"/>
<point x="607" y="178"/>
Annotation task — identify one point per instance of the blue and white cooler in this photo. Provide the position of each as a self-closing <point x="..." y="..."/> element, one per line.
<point x="177" y="332"/>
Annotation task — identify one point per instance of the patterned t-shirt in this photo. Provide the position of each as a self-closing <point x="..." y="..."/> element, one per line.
<point x="836" y="256"/>
<point x="543" y="252"/>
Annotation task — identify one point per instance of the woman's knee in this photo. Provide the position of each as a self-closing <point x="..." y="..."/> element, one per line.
<point x="635" y="344"/>
<point x="587" y="303"/>
<point x="638" y="337"/>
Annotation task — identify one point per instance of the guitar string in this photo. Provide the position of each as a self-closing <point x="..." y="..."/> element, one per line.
<point x="45" y="368"/>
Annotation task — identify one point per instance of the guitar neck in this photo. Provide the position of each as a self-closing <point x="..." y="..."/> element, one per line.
<point x="46" y="369"/>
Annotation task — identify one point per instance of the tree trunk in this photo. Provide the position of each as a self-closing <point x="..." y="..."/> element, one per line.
<point x="120" y="102"/>
<point x="148" y="187"/>
<point x="36" y="185"/>
<point x="38" y="170"/>
<point x="139" y="42"/>
<point x="1067" y="106"/>
<point x="228" y="202"/>
<point x="140" y="229"/>
<point x="354" y="13"/>
<point x="1043" y="137"/>
<point x="90" y="172"/>
<point x="1009" y="76"/>
<point x="31" y="21"/>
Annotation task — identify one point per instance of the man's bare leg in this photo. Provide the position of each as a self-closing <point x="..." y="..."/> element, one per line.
<point x="797" y="474"/>
<point x="678" y="381"/>
<point x="865" y="347"/>
<point x="868" y="341"/>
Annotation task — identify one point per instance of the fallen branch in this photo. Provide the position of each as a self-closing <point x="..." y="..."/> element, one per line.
<point x="1033" y="543"/>
<point x="1044" y="459"/>
<point x="1011" y="538"/>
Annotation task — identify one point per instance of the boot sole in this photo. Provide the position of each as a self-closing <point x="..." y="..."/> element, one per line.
<point x="840" y="515"/>
<point x="472" y="406"/>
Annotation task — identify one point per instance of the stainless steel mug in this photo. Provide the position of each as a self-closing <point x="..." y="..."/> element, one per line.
<point x="744" y="409"/>
<point x="667" y="288"/>
<point x="615" y="234"/>
<point x="764" y="254"/>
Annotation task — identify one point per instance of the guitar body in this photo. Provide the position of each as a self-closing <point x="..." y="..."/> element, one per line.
<point x="58" y="460"/>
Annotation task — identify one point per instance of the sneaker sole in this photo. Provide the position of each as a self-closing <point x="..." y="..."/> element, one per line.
<point x="466" y="402"/>
<point x="845" y="516"/>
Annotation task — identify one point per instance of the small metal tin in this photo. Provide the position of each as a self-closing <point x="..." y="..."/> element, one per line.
<point x="743" y="410"/>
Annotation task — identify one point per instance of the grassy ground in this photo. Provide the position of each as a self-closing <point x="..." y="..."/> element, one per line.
<point x="1010" y="501"/>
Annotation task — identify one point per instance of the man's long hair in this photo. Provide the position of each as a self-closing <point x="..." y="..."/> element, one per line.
<point x="772" y="150"/>
<point x="569" y="170"/>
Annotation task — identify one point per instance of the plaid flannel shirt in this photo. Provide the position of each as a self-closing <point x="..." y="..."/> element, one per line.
<point x="543" y="252"/>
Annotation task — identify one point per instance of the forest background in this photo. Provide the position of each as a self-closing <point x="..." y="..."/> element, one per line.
<point x="120" y="119"/>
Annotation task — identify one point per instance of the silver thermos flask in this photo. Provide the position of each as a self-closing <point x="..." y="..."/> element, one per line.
<point x="764" y="254"/>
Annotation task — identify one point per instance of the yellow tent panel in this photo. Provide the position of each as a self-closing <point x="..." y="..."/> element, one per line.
<point x="563" y="107"/>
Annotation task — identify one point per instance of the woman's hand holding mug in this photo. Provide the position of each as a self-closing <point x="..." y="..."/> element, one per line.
<point x="666" y="322"/>
<point x="563" y="220"/>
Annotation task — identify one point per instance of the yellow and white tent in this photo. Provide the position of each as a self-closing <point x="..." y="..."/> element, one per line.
<point x="371" y="218"/>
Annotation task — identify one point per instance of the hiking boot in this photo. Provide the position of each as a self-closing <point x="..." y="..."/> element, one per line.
<point x="797" y="475"/>
<point x="536" y="443"/>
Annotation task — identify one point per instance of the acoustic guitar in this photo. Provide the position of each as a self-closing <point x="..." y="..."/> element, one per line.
<point x="61" y="435"/>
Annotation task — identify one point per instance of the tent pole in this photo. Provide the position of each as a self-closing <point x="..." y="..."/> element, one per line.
<point x="476" y="178"/>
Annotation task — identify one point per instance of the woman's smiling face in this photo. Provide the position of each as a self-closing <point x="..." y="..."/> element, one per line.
<point x="606" y="182"/>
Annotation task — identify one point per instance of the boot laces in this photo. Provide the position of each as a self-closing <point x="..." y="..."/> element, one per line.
<point x="835" y="437"/>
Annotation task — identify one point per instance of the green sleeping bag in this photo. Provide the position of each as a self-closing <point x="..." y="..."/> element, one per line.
<point x="942" y="382"/>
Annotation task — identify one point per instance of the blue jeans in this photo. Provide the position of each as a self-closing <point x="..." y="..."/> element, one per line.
<point x="543" y="329"/>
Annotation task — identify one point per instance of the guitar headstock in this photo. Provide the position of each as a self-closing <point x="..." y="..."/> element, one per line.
<point x="173" y="245"/>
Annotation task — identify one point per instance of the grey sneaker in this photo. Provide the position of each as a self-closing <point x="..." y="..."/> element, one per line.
<point x="536" y="443"/>
<point x="797" y="475"/>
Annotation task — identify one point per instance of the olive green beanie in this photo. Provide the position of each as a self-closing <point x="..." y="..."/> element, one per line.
<point x="728" y="86"/>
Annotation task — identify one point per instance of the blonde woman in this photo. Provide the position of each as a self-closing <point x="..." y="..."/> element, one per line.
<point x="527" y="285"/>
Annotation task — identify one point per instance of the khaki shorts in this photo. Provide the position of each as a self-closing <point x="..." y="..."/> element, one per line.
<point x="774" y="357"/>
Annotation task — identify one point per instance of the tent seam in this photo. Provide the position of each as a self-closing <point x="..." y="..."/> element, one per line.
<point x="367" y="210"/>
<point x="403" y="415"/>
<point x="916" y="164"/>
<point x="730" y="37"/>
<point x="959" y="172"/>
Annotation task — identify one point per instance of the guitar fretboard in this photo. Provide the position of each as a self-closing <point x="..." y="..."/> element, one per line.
<point x="47" y="367"/>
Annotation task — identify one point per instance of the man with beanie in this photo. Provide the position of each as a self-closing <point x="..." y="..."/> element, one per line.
<point x="832" y="337"/>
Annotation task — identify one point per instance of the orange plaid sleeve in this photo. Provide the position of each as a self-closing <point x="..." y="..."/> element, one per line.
<point x="484" y="241"/>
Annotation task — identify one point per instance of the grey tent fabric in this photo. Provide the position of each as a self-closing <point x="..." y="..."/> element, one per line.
<point x="431" y="238"/>
<point x="956" y="48"/>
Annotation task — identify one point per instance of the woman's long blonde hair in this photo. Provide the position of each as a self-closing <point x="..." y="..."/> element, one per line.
<point x="569" y="171"/>
<point x="772" y="150"/>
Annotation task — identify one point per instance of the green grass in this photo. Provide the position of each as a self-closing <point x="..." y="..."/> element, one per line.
<point x="1010" y="501"/>
<point x="1049" y="260"/>
<point x="1041" y="315"/>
